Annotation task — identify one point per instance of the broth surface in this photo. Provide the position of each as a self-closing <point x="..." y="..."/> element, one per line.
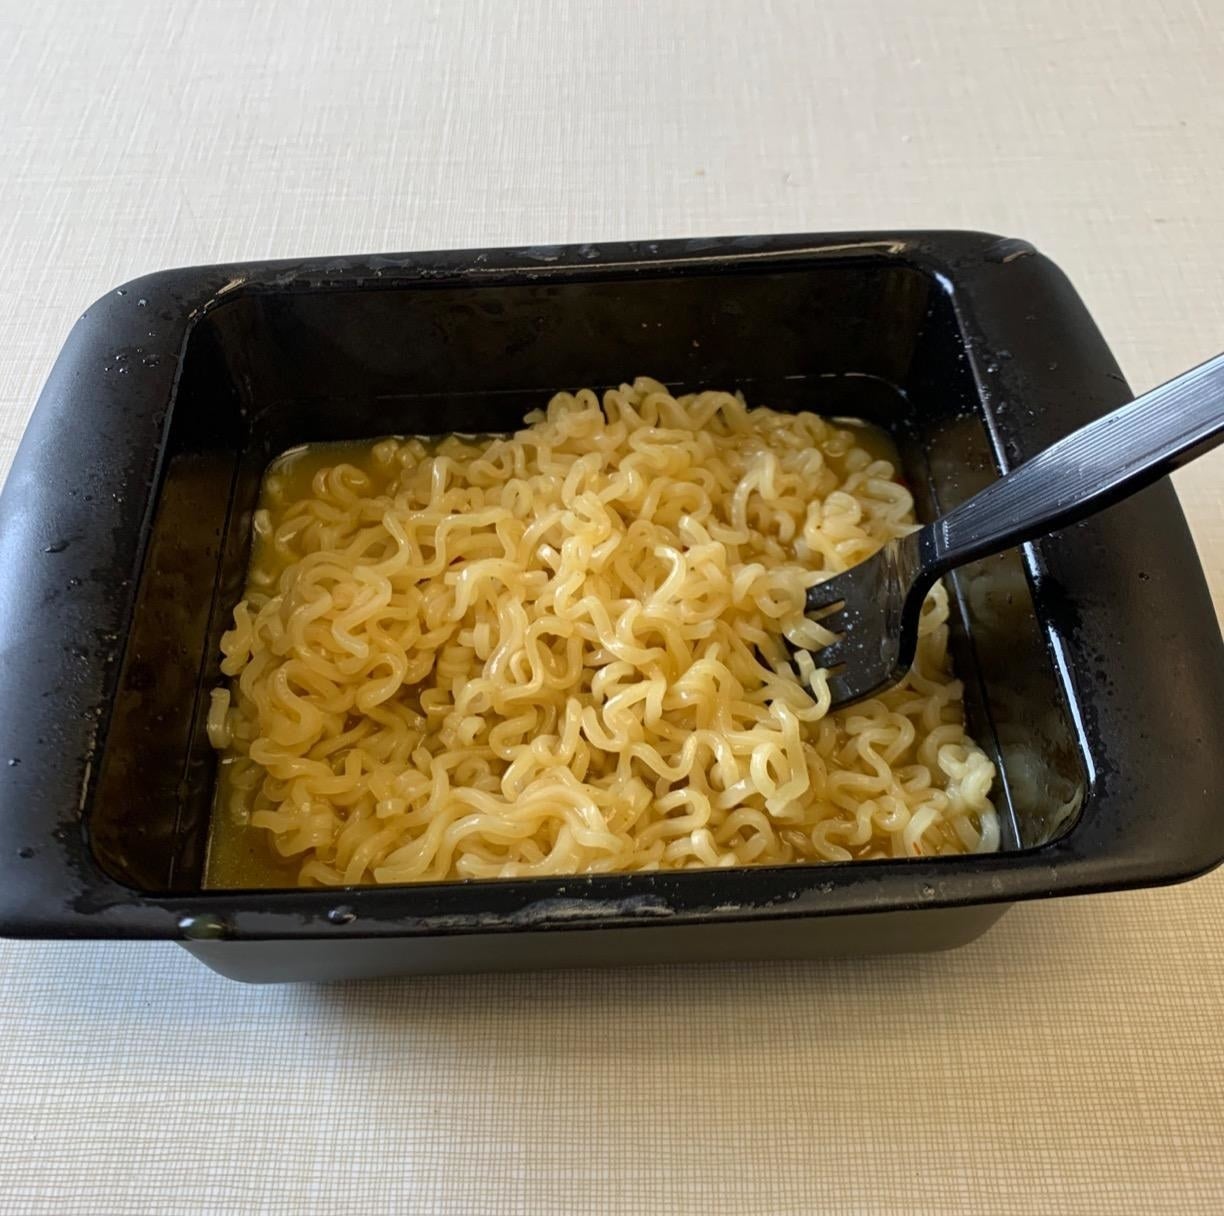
<point x="745" y="504"/>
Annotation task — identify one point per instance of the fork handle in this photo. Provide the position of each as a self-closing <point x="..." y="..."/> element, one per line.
<point x="1086" y="471"/>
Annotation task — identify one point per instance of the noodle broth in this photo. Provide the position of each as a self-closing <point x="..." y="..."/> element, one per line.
<point x="559" y="652"/>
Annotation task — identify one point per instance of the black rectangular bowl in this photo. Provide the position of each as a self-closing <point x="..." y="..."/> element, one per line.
<point x="1092" y="660"/>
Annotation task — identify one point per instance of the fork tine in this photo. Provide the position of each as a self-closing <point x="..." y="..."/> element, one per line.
<point x="843" y="689"/>
<point x="830" y="657"/>
<point x="834" y="622"/>
<point x="826" y="594"/>
<point x="838" y="606"/>
<point x="872" y="613"/>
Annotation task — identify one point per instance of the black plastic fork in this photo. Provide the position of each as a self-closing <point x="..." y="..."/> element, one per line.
<point x="874" y="607"/>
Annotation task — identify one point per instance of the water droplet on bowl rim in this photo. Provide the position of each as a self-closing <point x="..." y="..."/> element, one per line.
<point x="205" y="927"/>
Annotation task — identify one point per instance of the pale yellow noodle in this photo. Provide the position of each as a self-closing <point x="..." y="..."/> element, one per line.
<point x="560" y="652"/>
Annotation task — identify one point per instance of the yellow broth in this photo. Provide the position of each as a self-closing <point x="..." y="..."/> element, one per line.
<point x="240" y="857"/>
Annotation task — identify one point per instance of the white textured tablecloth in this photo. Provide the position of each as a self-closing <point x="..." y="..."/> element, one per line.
<point x="1072" y="1060"/>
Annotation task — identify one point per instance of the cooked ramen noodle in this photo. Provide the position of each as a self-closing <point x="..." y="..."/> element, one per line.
<point x="561" y="651"/>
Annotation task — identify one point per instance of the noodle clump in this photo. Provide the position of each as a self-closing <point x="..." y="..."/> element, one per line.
<point x="559" y="652"/>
